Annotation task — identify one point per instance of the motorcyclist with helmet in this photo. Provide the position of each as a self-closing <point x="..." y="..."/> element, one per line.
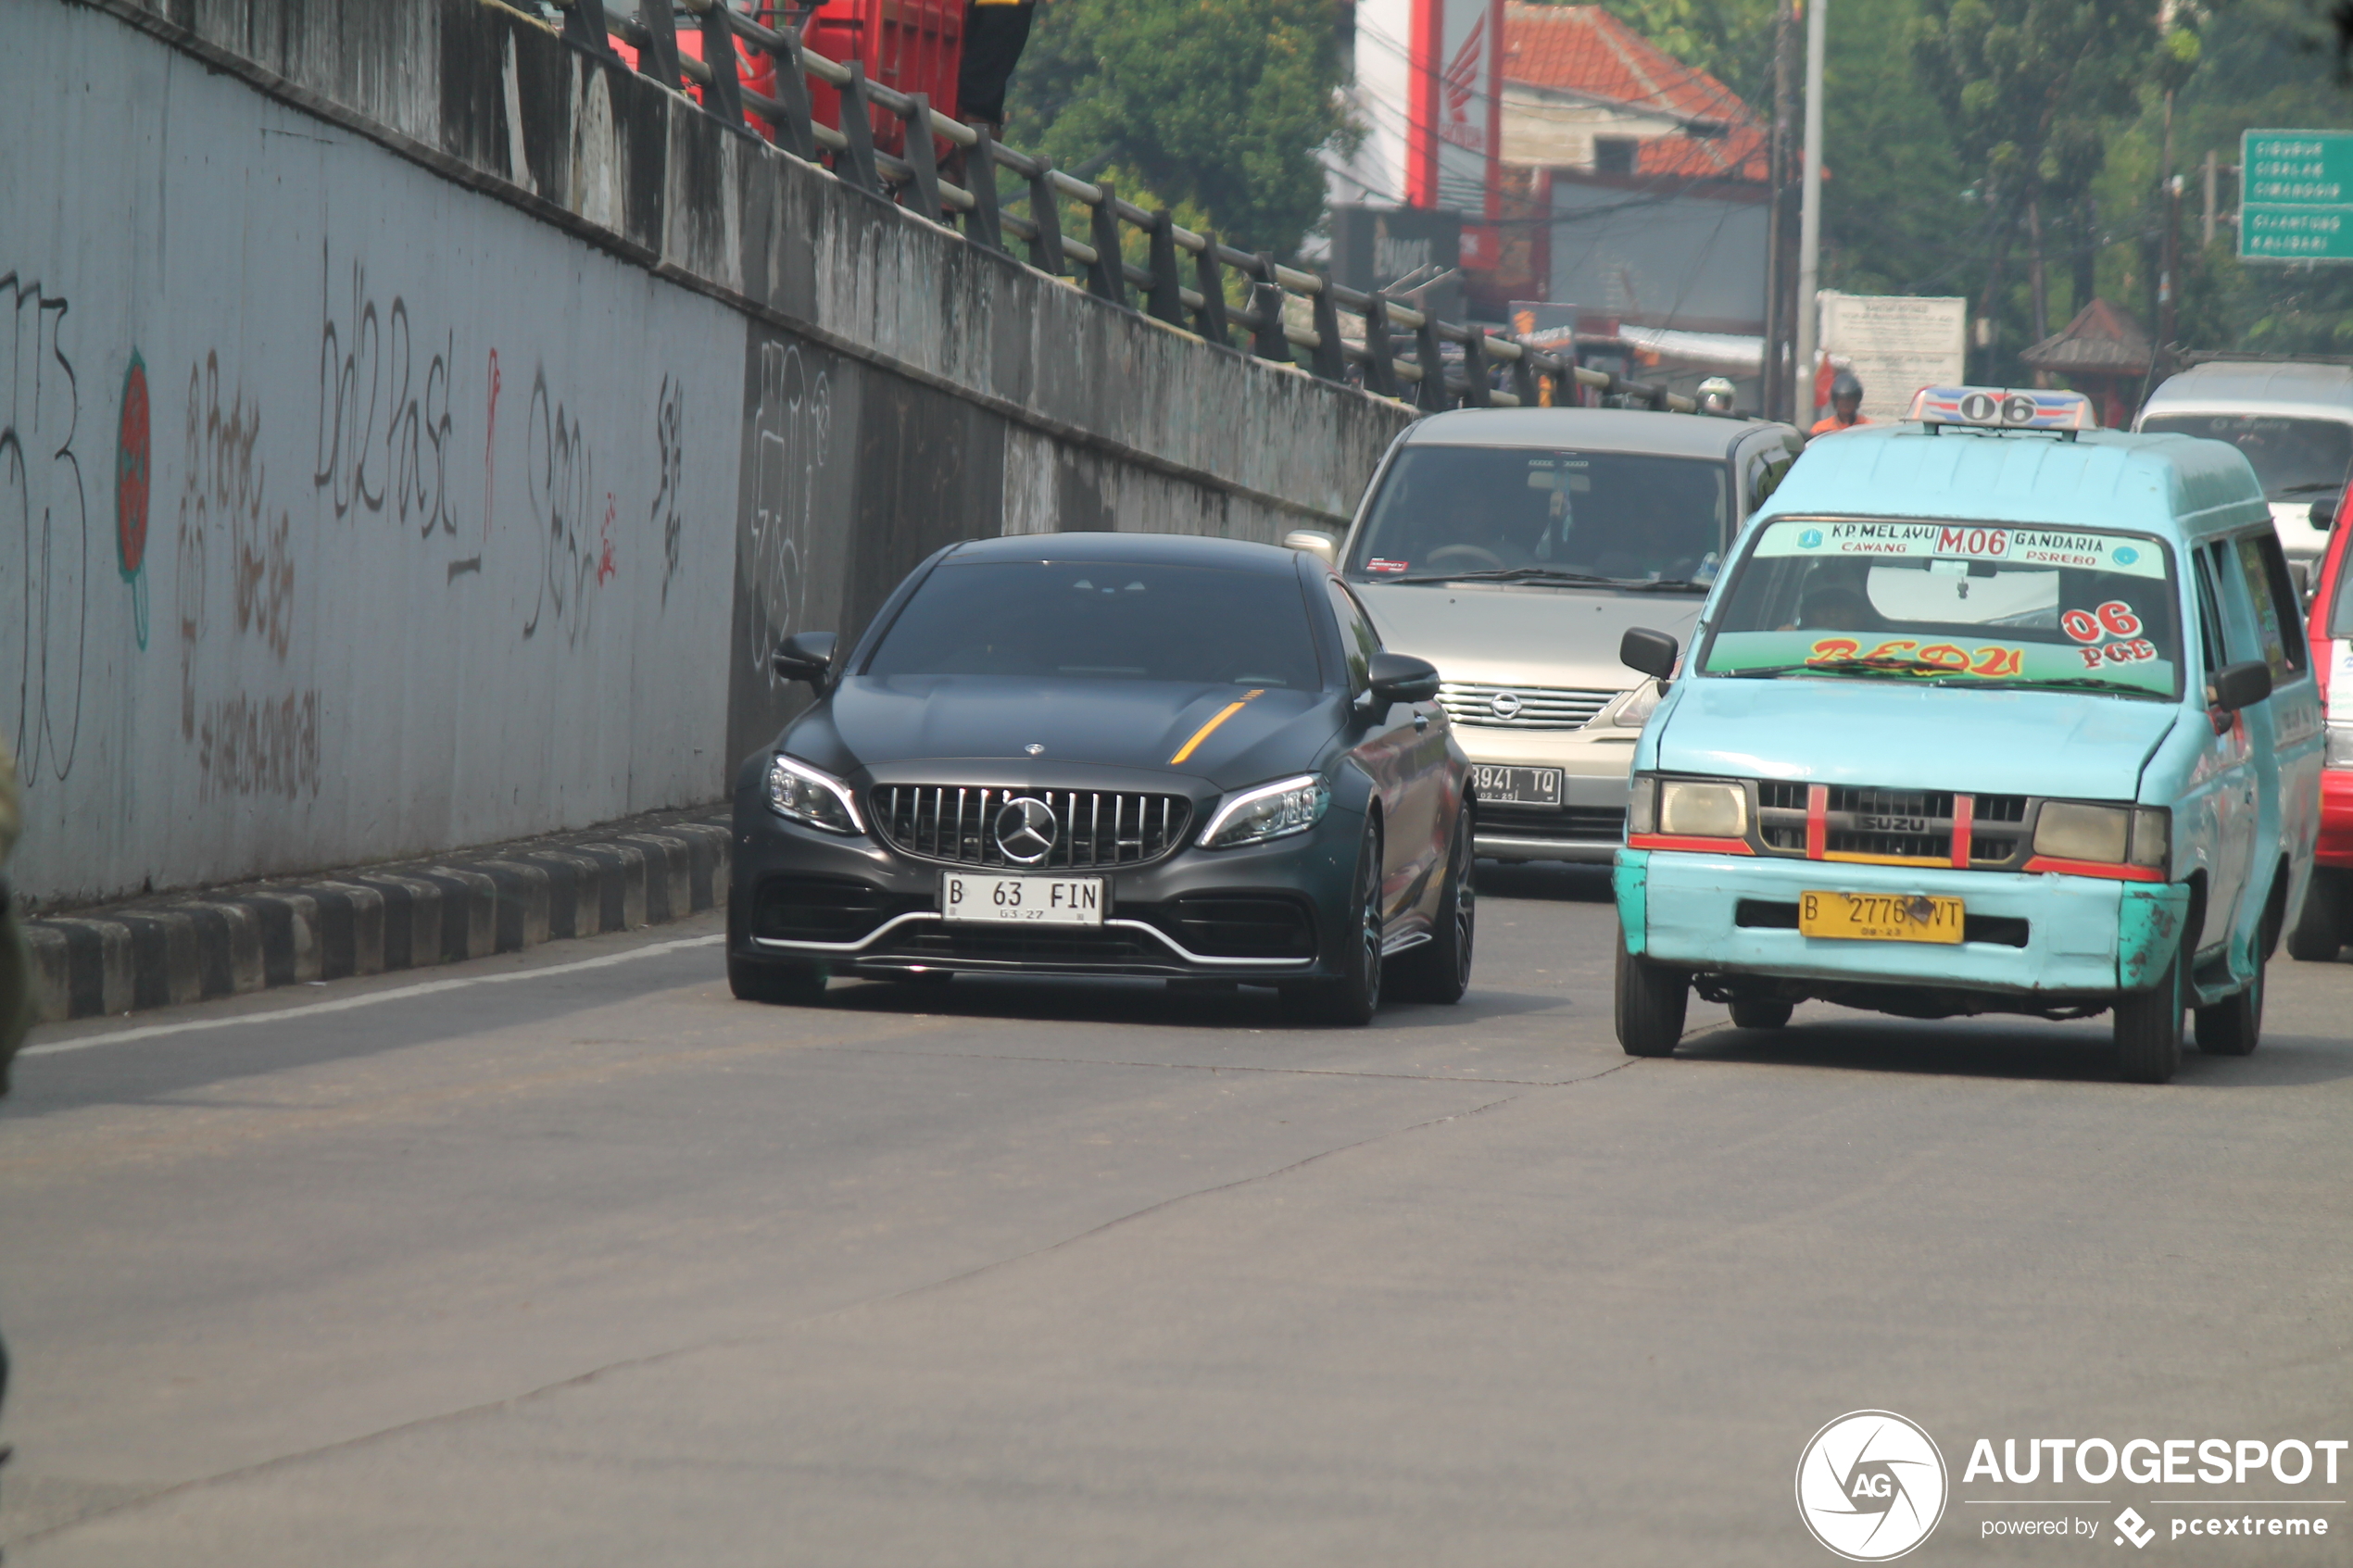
<point x="1846" y="407"/>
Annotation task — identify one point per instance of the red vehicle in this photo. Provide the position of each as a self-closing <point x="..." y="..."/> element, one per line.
<point x="2326" y="924"/>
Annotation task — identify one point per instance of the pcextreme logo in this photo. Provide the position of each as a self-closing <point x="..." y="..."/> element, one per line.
<point x="1871" y="1485"/>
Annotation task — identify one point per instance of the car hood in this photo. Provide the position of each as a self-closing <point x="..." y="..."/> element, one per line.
<point x="1871" y="731"/>
<point x="1506" y="635"/>
<point x="888" y="725"/>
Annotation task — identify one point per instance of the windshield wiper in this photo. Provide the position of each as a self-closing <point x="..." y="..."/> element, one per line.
<point x="1846" y="667"/>
<point x="2072" y="683"/>
<point x="1512" y="574"/>
<point x="2307" y="489"/>
<point x="1666" y="585"/>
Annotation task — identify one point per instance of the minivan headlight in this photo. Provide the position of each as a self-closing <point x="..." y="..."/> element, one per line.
<point x="802" y="794"/>
<point x="1702" y="808"/>
<point x="1273" y="811"/>
<point x="2115" y="835"/>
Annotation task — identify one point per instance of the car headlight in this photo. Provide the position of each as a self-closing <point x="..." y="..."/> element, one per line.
<point x="803" y="794"/>
<point x="2340" y="752"/>
<point x="1275" y="811"/>
<point x="1702" y="808"/>
<point x="2115" y="835"/>
<point x="1626" y="710"/>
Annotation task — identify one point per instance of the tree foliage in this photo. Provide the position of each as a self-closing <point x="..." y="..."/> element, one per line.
<point x="1213" y="107"/>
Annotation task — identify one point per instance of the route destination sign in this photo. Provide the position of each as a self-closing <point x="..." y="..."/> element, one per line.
<point x="2295" y="195"/>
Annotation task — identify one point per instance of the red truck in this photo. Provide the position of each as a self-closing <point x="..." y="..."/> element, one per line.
<point x="2326" y="925"/>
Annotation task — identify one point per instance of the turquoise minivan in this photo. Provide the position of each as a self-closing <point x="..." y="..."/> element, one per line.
<point x="1991" y="711"/>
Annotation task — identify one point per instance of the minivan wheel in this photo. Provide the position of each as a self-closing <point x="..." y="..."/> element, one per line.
<point x="1439" y="971"/>
<point x="2233" y="1025"/>
<point x="2322" y="926"/>
<point x="1651" y="1000"/>
<point x="1760" y="1012"/>
<point x="2149" y="1027"/>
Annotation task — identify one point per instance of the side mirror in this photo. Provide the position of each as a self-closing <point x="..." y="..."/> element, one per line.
<point x="805" y="656"/>
<point x="1653" y="653"/>
<point x="1398" y="677"/>
<point x="1316" y="542"/>
<point x="2240" y="685"/>
<point x="2324" y="513"/>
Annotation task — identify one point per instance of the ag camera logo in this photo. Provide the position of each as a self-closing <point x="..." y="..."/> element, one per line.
<point x="1871" y="1485"/>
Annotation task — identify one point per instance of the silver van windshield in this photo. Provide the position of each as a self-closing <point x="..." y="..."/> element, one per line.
<point x="2291" y="458"/>
<point x="1959" y="604"/>
<point x="1532" y="515"/>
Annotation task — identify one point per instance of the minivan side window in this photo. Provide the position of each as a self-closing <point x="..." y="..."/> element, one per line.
<point x="1358" y="641"/>
<point x="2264" y="566"/>
<point x="2209" y="614"/>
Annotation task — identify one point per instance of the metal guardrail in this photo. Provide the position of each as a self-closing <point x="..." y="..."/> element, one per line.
<point x="1200" y="305"/>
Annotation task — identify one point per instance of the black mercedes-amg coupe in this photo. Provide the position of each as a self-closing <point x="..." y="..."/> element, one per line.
<point x="1110" y="754"/>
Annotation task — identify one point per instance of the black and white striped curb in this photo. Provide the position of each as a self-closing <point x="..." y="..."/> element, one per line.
<point x="412" y="915"/>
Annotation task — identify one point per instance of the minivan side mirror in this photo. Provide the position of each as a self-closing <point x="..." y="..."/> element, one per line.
<point x="805" y="656"/>
<point x="1653" y="653"/>
<point x="2240" y="685"/>
<point x="1398" y="677"/>
<point x="1316" y="542"/>
<point x="2323" y="512"/>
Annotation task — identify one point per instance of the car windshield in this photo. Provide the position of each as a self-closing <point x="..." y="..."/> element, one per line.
<point x="1957" y="604"/>
<point x="1533" y="515"/>
<point x="2291" y="458"/>
<point x="1104" y="620"/>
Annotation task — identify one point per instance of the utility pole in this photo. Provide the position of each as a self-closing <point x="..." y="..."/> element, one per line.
<point x="2169" y="276"/>
<point x="1809" y="239"/>
<point x="1780" y="236"/>
<point x="2206" y="234"/>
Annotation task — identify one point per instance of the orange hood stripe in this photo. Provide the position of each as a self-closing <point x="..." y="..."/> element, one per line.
<point x="1211" y="727"/>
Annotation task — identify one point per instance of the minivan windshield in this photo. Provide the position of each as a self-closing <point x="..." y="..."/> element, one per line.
<point x="1951" y="604"/>
<point x="2291" y="458"/>
<point x="1546" y="517"/>
<point x="1104" y="621"/>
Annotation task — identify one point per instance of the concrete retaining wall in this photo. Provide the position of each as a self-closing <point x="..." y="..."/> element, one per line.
<point x="415" y="432"/>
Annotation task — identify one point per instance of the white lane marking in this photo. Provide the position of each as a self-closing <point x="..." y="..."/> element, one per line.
<point x="344" y="1004"/>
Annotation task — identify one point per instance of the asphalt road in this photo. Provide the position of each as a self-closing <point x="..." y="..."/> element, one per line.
<point x="569" y="1259"/>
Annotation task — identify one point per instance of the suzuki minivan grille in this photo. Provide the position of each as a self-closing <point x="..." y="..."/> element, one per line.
<point x="958" y="825"/>
<point x="1519" y="707"/>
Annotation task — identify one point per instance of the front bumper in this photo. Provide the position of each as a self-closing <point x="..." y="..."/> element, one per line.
<point x="1271" y="913"/>
<point x="2028" y="933"/>
<point x="1588" y="826"/>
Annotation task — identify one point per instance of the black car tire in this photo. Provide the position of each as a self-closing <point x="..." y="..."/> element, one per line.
<point x="789" y="985"/>
<point x="1354" y="998"/>
<point x="1760" y="1012"/>
<point x="1651" y="1000"/>
<point x="2234" y="1026"/>
<point x="2321" y="926"/>
<point x="2149" y="1027"/>
<point x="1439" y="971"/>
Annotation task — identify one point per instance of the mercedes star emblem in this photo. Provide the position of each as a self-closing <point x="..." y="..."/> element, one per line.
<point x="1505" y="705"/>
<point x="1033" y="748"/>
<point x="1025" y="830"/>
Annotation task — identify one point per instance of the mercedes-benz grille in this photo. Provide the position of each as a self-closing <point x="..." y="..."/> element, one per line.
<point x="1519" y="707"/>
<point x="958" y="825"/>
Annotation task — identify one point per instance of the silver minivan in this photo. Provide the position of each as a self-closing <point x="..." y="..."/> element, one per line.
<point x="1513" y="547"/>
<point x="2293" y="420"/>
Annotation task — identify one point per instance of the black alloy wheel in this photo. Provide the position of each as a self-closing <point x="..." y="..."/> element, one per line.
<point x="1439" y="971"/>
<point x="2148" y="1025"/>
<point x="1354" y="998"/>
<point x="1651" y="1000"/>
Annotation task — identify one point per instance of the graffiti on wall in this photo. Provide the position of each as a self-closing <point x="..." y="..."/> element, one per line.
<point x="574" y="523"/>
<point x="45" y="537"/>
<point x="670" y="442"/>
<point x="384" y="434"/>
<point x="791" y="428"/>
<point x="245" y="744"/>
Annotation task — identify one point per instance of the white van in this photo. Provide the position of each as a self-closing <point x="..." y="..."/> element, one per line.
<point x="2294" y="422"/>
<point x="1513" y="547"/>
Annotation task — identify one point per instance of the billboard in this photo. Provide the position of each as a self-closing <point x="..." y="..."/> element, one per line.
<point x="1896" y="345"/>
<point x="1430" y="94"/>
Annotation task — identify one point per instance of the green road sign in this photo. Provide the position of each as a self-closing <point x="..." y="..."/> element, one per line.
<point x="2295" y="195"/>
